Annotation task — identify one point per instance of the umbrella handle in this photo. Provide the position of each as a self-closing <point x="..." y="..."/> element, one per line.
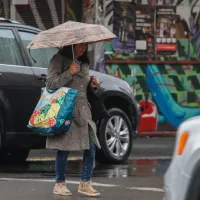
<point x="73" y="52"/>
<point x="75" y="61"/>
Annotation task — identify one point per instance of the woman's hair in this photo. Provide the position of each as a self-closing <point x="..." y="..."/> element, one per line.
<point x="67" y="51"/>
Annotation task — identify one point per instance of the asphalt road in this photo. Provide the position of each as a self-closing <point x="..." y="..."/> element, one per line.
<point x="140" y="178"/>
<point x="32" y="190"/>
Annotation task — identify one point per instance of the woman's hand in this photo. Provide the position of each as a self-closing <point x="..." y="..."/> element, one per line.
<point x="95" y="82"/>
<point x="73" y="68"/>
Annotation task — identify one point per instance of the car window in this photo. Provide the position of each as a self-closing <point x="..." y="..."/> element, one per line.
<point x="9" y="49"/>
<point x="41" y="56"/>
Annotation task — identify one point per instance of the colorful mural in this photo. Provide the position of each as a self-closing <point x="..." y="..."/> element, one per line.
<point x="166" y="30"/>
<point x="168" y="93"/>
<point x="157" y="52"/>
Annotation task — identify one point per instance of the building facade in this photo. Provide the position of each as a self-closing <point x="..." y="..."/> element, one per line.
<point x="157" y="53"/>
<point x="157" y="50"/>
<point x="46" y="14"/>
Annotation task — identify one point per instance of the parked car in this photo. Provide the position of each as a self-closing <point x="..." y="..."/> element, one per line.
<point x="182" y="179"/>
<point x="23" y="74"/>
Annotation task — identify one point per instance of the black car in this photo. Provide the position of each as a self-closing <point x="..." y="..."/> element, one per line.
<point x="23" y="74"/>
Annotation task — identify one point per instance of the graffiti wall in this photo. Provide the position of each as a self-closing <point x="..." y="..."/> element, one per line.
<point x="157" y="52"/>
<point x="162" y="30"/>
<point x="168" y="93"/>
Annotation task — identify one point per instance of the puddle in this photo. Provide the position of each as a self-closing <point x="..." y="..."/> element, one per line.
<point x="137" y="167"/>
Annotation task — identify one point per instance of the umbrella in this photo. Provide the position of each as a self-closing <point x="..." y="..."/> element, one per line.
<point x="70" y="33"/>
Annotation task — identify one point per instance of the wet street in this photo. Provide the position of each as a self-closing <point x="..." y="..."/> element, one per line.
<point x="140" y="178"/>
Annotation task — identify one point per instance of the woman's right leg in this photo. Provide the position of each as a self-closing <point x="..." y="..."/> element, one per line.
<point x="60" y="166"/>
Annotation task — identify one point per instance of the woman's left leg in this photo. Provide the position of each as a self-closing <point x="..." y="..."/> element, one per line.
<point x="85" y="186"/>
<point x="88" y="161"/>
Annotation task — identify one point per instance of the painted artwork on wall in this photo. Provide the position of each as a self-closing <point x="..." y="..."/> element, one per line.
<point x="163" y="68"/>
<point x="123" y="27"/>
<point x="168" y="93"/>
<point x="163" y="30"/>
<point x="144" y="31"/>
<point x="165" y="37"/>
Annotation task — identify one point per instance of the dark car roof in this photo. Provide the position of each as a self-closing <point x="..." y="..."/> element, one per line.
<point x="17" y="25"/>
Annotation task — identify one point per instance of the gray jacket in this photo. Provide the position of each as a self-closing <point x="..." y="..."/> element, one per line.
<point x="77" y="138"/>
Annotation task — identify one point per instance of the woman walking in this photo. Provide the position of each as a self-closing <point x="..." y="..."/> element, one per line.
<point x="64" y="72"/>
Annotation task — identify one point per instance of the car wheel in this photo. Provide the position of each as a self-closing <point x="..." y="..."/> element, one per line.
<point x="115" y="137"/>
<point x="13" y="156"/>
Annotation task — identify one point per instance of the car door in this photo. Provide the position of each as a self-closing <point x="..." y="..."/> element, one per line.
<point x="17" y="92"/>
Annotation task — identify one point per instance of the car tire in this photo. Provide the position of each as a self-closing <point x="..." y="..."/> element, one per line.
<point x="116" y="145"/>
<point x="13" y="156"/>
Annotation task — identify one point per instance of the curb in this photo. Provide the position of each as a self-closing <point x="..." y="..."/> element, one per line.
<point x="157" y="134"/>
<point x="52" y="158"/>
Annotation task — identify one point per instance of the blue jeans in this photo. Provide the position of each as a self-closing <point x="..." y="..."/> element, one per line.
<point x="88" y="161"/>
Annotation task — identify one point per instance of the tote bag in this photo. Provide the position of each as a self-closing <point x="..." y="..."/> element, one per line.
<point x="53" y="113"/>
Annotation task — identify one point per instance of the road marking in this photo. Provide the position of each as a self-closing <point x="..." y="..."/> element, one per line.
<point x="146" y="189"/>
<point x="53" y="181"/>
<point x="151" y="189"/>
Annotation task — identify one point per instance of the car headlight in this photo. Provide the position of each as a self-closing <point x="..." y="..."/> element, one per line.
<point x="182" y="142"/>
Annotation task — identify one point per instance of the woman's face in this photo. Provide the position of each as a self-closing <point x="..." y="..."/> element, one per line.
<point x="79" y="49"/>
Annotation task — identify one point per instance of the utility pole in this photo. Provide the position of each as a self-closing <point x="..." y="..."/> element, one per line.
<point x="2" y="14"/>
<point x="99" y="19"/>
<point x="12" y="10"/>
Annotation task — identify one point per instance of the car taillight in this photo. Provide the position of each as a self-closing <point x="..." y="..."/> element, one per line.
<point x="182" y="142"/>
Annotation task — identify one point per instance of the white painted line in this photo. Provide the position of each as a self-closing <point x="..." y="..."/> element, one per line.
<point x="77" y="183"/>
<point x="52" y="181"/>
<point x="146" y="189"/>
